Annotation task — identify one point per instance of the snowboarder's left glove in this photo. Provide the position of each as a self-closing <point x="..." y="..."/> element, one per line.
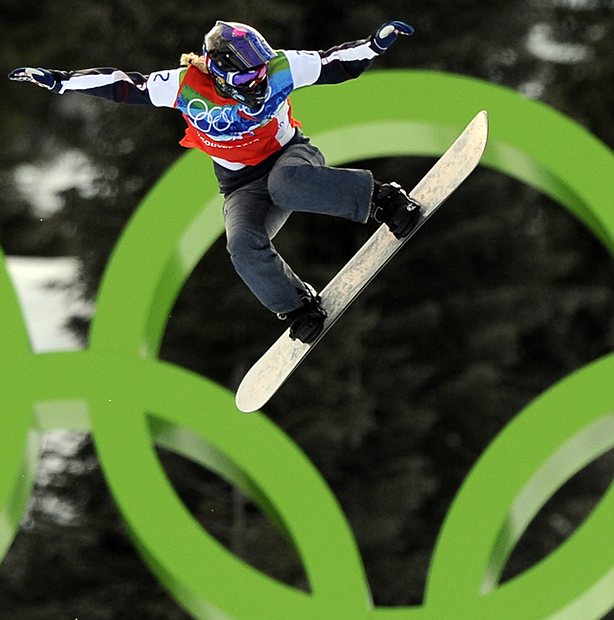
<point x="387" y="34"/>
<point x="40" y="77"/>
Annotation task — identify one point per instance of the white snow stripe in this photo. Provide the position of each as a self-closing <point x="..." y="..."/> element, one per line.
<point x="85" y="82"/>
<point x="362" y="52"/>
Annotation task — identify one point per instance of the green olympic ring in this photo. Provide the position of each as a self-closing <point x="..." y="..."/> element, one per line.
<point x="119" y="391"/>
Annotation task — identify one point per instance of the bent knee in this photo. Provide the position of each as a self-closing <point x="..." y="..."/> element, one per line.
<point x="247" y="244"/>
<point x="280" y="185"/>
<point x="287" y="183"/>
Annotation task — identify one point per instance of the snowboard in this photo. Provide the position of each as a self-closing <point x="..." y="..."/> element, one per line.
<point x="271" y="371"/>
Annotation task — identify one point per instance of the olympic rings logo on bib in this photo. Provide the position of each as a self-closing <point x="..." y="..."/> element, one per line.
<point x="207" y="120"/>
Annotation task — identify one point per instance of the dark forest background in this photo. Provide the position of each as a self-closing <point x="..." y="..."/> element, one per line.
<point x="501" y="295"/>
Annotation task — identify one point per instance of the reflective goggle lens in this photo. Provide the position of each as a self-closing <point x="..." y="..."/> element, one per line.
<point x="245" y="77"/>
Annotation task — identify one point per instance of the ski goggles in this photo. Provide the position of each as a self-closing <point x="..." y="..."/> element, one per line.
<point x="238" y="78"/>
<point x="244" y="78"/>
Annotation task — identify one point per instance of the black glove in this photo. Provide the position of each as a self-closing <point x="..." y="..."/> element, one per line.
<point x="40" y="77"/>
<point x="387" y="34"/>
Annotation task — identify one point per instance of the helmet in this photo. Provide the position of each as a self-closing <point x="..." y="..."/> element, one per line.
<point x="237" y="57"/>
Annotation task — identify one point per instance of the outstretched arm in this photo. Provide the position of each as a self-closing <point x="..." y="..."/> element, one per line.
<point x="157" y="89"/>
<point x="348" y="61"/>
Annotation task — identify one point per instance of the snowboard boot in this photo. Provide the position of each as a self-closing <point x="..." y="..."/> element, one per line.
<point x="392" y="206"/>
<point x="306" y="322"/>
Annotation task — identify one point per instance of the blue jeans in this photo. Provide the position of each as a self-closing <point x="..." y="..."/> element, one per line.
<point x="300" y="180"/>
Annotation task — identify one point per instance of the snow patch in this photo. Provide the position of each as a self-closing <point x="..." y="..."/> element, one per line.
<point x="541" y="43"/>
<point x="42" y="184"/>
<point x="48" y="298"/>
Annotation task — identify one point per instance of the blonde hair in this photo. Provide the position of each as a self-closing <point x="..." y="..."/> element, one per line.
<point x="194" y="59"/>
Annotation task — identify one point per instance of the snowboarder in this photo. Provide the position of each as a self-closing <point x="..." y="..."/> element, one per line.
<point x="234" y="98"/>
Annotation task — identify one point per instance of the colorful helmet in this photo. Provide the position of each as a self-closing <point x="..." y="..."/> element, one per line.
<point x="237" y="56"/>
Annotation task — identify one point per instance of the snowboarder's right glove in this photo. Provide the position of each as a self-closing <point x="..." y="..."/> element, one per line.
<point x="387" y="34"/>
<point x="40" y="77"/>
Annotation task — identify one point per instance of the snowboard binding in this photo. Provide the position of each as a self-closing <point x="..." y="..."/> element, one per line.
<point x="307" y="321"/>
<point x="392" y="206"/>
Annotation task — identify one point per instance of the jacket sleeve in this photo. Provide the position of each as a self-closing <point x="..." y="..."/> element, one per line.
<point x="338" y="64"/>
<point x="345" y="62"/>
<point x="158" y="89"/>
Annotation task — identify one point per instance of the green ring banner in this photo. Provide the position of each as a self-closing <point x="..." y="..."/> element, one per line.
<point x="130" y="401"/>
